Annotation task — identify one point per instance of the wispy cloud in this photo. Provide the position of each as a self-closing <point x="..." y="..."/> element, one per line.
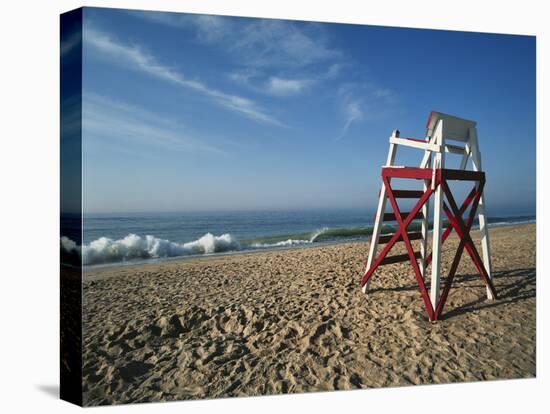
<point x="260" y="82"/>
<point x="208" y="28"/>
<point x="116" y="121"/>
<point x="245" y="77"/>
<point x="362" y="102"/>
<point x="283" y="87"/>
<point x="136" y="57"/>
<point x="353" y="111"/>
<point x="333" y="70"/>
<point x="71" y="116"/>
<point x="70" y="42"/>
<point x="282" y="43"/>
<point x="255" y="42"/>
<point x="273" y="57"/>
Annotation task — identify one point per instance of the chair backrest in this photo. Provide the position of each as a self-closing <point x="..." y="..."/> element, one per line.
<point x="454" y="128"/>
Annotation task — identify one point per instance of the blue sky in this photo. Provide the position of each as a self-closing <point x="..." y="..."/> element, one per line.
<point x="192" y="112"/>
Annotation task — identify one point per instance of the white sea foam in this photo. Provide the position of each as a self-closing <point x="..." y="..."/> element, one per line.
<point x="132" y="247"/>
<point x="318" y="233"/>
<point x="282" y="243"/>
<point x="68" y="245"/>
<point x="213" y="244"/>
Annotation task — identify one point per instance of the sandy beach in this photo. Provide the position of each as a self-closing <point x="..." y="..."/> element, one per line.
<point x="296" y="321"/>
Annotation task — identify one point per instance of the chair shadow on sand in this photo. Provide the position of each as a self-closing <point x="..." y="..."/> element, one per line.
<point x="512" y="286"/>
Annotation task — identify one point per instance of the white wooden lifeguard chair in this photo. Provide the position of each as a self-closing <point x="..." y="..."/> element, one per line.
<point x="441" y="129"/>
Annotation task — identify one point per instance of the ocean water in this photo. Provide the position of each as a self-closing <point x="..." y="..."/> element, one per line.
<point x="130" y="238"/>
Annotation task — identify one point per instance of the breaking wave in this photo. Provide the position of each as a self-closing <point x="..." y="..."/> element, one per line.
<point x="291" y="242"/>
<point x="134" y="247"/>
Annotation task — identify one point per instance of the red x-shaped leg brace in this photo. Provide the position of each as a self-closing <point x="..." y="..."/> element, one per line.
<point x="454" y="214"/>
<point x="401" y="233"/>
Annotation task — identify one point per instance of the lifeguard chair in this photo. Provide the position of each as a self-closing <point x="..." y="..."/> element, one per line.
<point x="441" y="130"/>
